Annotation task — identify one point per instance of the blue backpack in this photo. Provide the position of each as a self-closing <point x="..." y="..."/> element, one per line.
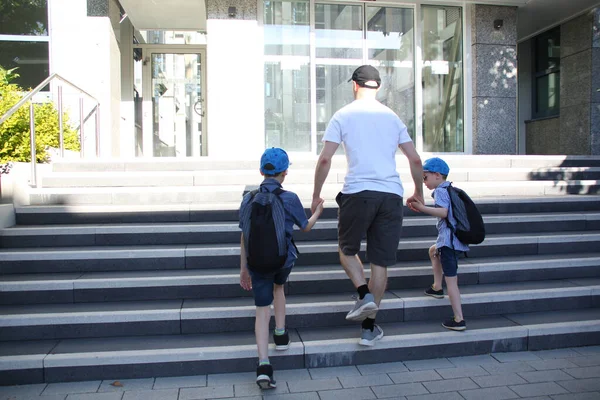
<point x="262" y="218"/>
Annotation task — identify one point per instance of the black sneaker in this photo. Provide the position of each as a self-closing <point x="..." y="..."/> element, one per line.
<point x="282" y="342"/>
<point x="455" y="326"/>
<point x="438" y="294"/>
<point x="264" y="377"/>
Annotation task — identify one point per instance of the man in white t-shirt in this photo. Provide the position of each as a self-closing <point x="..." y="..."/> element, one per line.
<point x="371" y="200"/>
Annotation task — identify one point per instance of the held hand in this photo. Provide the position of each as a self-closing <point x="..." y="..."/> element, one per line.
<point x="315" y="204"/>
<point x="320" y="207"/>
<point x="245" y="280"/>
<point x="415" y="203"/>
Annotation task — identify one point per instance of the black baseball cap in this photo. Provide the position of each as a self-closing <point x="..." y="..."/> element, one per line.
<point x="365" y="75"/>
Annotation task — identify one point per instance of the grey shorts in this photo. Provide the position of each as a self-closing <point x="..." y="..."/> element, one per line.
<point x="376" y="215"/>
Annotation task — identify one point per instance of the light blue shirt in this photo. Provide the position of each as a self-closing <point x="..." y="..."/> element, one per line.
<point x="445" y="237"/>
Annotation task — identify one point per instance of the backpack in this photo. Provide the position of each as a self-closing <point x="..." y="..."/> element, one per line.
<point x="263" y="225"/>
<point x="469" y="227"/>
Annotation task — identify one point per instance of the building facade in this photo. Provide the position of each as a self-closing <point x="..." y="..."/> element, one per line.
<point x="225" y="79"/>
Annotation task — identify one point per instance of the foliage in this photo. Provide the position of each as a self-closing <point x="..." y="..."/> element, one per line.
<point x="14" y="133"/>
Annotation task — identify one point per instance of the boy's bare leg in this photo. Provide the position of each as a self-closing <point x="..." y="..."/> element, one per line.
<point x="454" y="295"/>
<point x="279" y="305"/>
<point x="377" y="284"/>
<point x="436" y="265"/>
<point x="354" y="269"/>
<point x="261" y="330"/>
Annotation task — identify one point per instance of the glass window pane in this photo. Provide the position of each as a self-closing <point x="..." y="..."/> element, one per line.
<point x="548" y="94"/>
<point x="30" y="58"/>
<point x="547" y="51"/>
<point x="390" y="41"/>
<point x="24" y="17"/>
<point x="339" y="50"/>
<point x="172" y="37"/>
<point x="287" y="74"/>
<point x="442" y="74"/>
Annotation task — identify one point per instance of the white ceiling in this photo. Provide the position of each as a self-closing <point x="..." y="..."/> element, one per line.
<point x="539" y="15"/>
<point x="166" y="14"/>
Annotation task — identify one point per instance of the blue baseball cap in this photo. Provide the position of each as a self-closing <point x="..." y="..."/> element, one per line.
<point x="274" y="161"/>
<point x="436" y="164"/>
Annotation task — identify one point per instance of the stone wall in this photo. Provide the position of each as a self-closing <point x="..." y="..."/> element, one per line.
<point x="543" y="136"/>
<point x="494" y="79"/>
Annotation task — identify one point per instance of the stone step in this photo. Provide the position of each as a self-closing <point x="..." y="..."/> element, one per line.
<point x="224" y="283"/>
<point x="304" y="176"/>
<point x="231" y="194"/>
<point x="213" y="212"/>
<point x="224" y="232"/>
<point x="196" y="354"/>
<point x="168" y="317"/>
<point x="88" y="259"/>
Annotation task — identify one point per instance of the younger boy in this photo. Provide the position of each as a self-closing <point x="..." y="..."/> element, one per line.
<point x="268" y="288"/>
<point x="444" y="253"/>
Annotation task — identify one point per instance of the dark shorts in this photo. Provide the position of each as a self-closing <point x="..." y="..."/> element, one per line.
<point x="263" y="285"/>
<point x="376" y="215"/>
<point x="449" y="260"/>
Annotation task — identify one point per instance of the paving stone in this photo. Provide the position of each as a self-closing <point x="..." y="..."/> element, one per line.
<point x="399" y="390"/>
<point x="347" y="394"/>
<point x="127" y="384"/>
<point x="471" y="361"/>
<point x="506" y="368"/>
<point x="313" y="385"/>
<point x="286" y="375"/>
<point x="180" y="382"/>
<point x="294" y="396"/>
<point x="586" y="361"/>
<point x="536" y="398"/>
<point x="545" y="376"/>
<point x="246" y="398"/>
<point x="230" y="379"/>
<point x="364" y="381"/>
<point x="588" y="350"/>
<point x="383" y="368"/>
<point x="333" y="372"/>
<point x="582" y="385"/>
<point x="33" y="397"/>
<point x="72" y="387"/>
<point x="252" y="389"/>
<point x="436" y="363"/>
<point x="163" y="394"/>
<point x="416" y="376"/>
<point x="447" y="396"/>
<point x="97" y="396"/>
<point x="22" y="390"/>
<point x="578" y="396"/>
<point x="515" y="356"/>
<point x="450" y="385"/>
<point x="556" y="353"/>
<point x="449" y="373"/>
<point x="498" y="380"/>
<point x="210" y="392"/>
<point x="580" y="373"/>
<point x="538" y="389"/>
<point x="544" y="365"/>
<point x="495" y="393"/>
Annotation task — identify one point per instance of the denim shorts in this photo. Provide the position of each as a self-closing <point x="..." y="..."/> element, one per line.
<point x="449" y="259"/>
<point x="263" y="285"/>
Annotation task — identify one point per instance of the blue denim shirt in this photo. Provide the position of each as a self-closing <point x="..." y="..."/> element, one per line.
<point x="442" y="199"/>
<point x="294" y="215"/>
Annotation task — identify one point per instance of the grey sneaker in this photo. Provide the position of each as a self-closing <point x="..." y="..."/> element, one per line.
<point x="362" y="308"/>
<point x="368" y="337"/>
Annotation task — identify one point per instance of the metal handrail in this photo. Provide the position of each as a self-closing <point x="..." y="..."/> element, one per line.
<point x="82" y="120"/>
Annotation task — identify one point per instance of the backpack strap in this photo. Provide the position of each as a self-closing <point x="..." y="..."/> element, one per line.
<point x="448" y="224"/>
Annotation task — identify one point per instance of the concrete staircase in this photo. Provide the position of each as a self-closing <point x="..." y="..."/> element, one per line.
<point x="113" y="290"/>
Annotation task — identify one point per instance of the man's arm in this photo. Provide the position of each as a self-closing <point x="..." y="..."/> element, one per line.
<point x="416" y="171"/>
<point x="321" y="172"/>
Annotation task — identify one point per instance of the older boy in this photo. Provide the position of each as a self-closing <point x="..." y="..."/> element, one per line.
<point x="444" y="253"/>
<point x="268" y="287"/>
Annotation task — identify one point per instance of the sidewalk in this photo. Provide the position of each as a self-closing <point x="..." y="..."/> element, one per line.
<point x="571" y="373"/>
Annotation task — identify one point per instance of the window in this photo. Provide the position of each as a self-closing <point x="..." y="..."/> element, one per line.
<point x="546" y="74"/>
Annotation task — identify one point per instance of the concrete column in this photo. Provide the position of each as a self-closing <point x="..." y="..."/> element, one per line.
<point x="494" y="69"/>
<point x="595" y="104"/>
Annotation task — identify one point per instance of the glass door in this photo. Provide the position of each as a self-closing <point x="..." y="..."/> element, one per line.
<point x="174" y="106"/>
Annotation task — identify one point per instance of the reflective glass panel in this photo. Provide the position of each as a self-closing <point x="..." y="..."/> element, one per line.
<point x="24" y="17"/>
<point x="172" y="37"/>
<point x="30" y="59"/>
<point x="390" y="46"/>
<point x="442" y="74"/>
<point x="287" y="74"/>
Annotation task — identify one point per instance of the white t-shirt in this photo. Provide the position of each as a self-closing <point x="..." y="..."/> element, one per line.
<point x="370" y="134"/>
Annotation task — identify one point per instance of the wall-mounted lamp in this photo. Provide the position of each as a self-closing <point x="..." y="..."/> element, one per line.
<point x="232" y="12"/>
<point x="498" y="24"/>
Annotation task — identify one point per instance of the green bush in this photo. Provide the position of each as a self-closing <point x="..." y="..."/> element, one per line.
<point x="14" y="133"/>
